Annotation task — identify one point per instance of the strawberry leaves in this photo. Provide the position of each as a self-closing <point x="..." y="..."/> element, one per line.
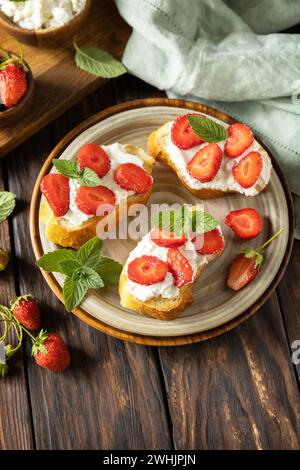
<point x="83" y="270"/>
<point x="210" y="131"/>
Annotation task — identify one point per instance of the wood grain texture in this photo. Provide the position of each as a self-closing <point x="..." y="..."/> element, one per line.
<point x="289" y="299"/>
<point x="15" y="420"/>
<point x="237" y="391"/>
<point x="111" y="397"/>
<point x="59" y="84"/>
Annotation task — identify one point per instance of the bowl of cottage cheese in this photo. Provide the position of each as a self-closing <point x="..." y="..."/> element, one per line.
<point x="43" y="22"/>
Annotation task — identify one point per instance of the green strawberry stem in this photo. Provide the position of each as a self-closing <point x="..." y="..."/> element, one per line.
<point x="263" y="246"/>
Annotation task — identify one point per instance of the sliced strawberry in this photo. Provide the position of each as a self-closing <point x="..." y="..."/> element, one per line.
<point x="180" y="267"/>
<point x="248" y="170"/>
<point x="240" y="138"/>
<point x="13" y="84"/>
<point x="147" y="270"/>
<point x="242" y="271"/>
<point x="246" y="223"/>
<point x="182" y="134"/>
<point x="98" y="200"/>
<point x="133" y="178"/>
<point x="211" y="242"/>
<point x="94" y="157"/>
<point x="166" y="238"/>
<point x="56" y="189"/>
<point x="206" y="163"/>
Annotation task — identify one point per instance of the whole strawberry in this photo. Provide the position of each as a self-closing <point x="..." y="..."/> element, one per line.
<point x="51" y="352"/>
<point x="13" y="83"/>
<point x="26" y="310"/>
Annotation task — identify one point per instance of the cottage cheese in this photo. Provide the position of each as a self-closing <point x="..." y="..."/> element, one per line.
<point x="166" y="289"/>
<point x="117" y="154"/>
<point x="224" y="179"/>
<point x="38" y="14"/>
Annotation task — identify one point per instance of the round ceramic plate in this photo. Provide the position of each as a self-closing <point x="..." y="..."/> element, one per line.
<point x="215" y="308"/>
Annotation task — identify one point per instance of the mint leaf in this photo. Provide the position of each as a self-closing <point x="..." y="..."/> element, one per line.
<point x="74" y="292"/>
<point x="7" y="204"/>
<point x="109" y="270"/>
<point x="70" y="268"/>
<point x="207" y="129"/>
<point x="51" y="261"/>
<point x="164" y="220"/>
<point x="67" y="167"/>
<point x="91" y="279"/>
<point x="89" y="178"/>
<point x="203" y="222"/>
<point x="98" y="62"/>
<point x="90" y="252"/>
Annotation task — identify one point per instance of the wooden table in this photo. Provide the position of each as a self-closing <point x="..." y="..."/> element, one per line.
<point x="237" y="391"/>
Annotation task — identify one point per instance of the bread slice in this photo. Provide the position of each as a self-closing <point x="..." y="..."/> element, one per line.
<point x="159" y="307"/>
<point x="61" y="232"/>
<point x="157" y="148"/>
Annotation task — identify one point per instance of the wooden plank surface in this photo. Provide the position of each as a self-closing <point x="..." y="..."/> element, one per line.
<point x="59" y="84"/>
<point x="15" y="419"/>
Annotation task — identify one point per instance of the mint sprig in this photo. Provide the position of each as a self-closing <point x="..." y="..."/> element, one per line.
<point x="210" y="131"/>
<point x="83" y="270"/>
<point x="69" y="168"/>
<point x="184" y="220"/>
<point x="7" y="204"/>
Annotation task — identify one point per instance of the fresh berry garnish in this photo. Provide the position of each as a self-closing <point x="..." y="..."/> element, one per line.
<point x="180" y="267"/>
<point x="133" y="178"/>
<point x="246" y="223"/>
<point x="182" y="134"/>
<point x="240" y="138"/>
<point x="248" y="170"/>
<point x="166" y="238"/>
<point x="210" y="242"/>
<point x="147" y="270"/>
<point x="246" y="265"/>
<point x="94" y="157"/>
<point x="27" y="312"/>
<point x="56" y="189"/>
<point x="13" y="84"/>
<point x="50" y="351"/>
<point x="97" y="200"/>
<point x="206" y="163"/>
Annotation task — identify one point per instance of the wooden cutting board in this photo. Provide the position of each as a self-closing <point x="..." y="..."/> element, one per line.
<point x="59" y="84"/>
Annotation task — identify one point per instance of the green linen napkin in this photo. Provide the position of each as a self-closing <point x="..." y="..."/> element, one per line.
<point x="226" y="53"/>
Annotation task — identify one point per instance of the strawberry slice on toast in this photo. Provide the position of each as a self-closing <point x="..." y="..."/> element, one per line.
<point x="56" y="189"/>
<point x="247" y="171"/>
<point x="240" y="138"/>
<point x="182" y="134"/>
<point x="147" y="270"/>
<point x="206" y="163"/>
<point x="94" y="157"/>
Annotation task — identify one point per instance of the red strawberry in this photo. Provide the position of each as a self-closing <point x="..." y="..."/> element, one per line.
<point x="90" y="199"/>
<point x="206" y="163"/>
<point x="147" y="270"/>
<point x="247" y="171"/>
<point x="246" y="265"/>
<point x="180" y="267"/>
<point x="13" y="84"/>
<point x="166" y="238"/>
<point x="50" y="351"/>
<point x="242" y="271"/>
<point x="182" y="134"/>
<point x="246" y="223"/>
<point x="55" y="188"/>
<point x="211" y="242"/>
<point x="133" y="178"/>
<point x="94" y="157"/>
<point x="239" y="139"/>
<point x="27" y="312"/>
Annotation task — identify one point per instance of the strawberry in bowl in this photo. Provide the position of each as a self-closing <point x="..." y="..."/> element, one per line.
<point x="16" y="85"/>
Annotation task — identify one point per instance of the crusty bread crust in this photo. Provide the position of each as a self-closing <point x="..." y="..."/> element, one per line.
<point x="159" y="307"/>
<point x="157" y="144"/>
<point x="64" y="234"/>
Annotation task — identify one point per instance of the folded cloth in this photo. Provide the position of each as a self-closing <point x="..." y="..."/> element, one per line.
<point x="224" y="53"/>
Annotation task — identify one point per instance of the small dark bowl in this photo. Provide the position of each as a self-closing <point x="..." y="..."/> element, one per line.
<point x="47" y="37"/>
<point x="17" y="111"/>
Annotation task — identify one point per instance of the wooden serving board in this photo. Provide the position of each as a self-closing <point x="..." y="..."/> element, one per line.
<point x="59" y="84"/>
